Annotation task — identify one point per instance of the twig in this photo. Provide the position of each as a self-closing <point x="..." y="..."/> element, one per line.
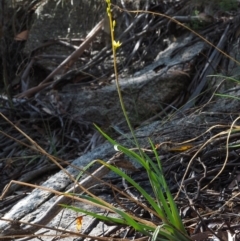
<point x="67" y="63"/>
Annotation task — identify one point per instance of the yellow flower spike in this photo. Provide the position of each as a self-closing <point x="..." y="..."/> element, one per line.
<point x="108" y="7"/>
<point x="116" y="45"/>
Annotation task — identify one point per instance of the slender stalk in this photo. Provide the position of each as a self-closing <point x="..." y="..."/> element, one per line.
<point x="115" y="45"/>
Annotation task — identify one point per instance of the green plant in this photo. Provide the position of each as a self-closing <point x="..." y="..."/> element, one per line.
<point x="224" y="5"/>
<point x="197" y="24"/>
<point x="162" y="205"/>
<point x="226" y="82"/>
<point x="227" y="5"/>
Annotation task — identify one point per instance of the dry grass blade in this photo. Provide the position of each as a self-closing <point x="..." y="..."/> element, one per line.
<point x="228" y="132"/>
<point x="38" y="148"/>
<point x="227" y="151"/>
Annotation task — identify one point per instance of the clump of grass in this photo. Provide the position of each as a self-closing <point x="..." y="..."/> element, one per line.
<point x="161" y="205"/>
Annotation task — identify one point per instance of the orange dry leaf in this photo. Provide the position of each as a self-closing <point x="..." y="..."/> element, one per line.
<point x="23" y="36"/>
<point x="79" y="223"/>
<point x="181" y="148"/>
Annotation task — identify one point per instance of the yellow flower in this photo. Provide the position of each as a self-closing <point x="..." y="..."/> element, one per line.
<point x="108" y="11"/>
<point x="116" y="44"/>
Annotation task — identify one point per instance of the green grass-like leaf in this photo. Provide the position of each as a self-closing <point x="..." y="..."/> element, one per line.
<point x="162" y="204"/>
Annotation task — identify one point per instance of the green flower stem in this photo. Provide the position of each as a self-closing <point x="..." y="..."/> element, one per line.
<point x="115" y="45"/>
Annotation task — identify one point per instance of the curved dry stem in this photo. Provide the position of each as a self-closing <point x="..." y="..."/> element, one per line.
<point x="200" y="149"/>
